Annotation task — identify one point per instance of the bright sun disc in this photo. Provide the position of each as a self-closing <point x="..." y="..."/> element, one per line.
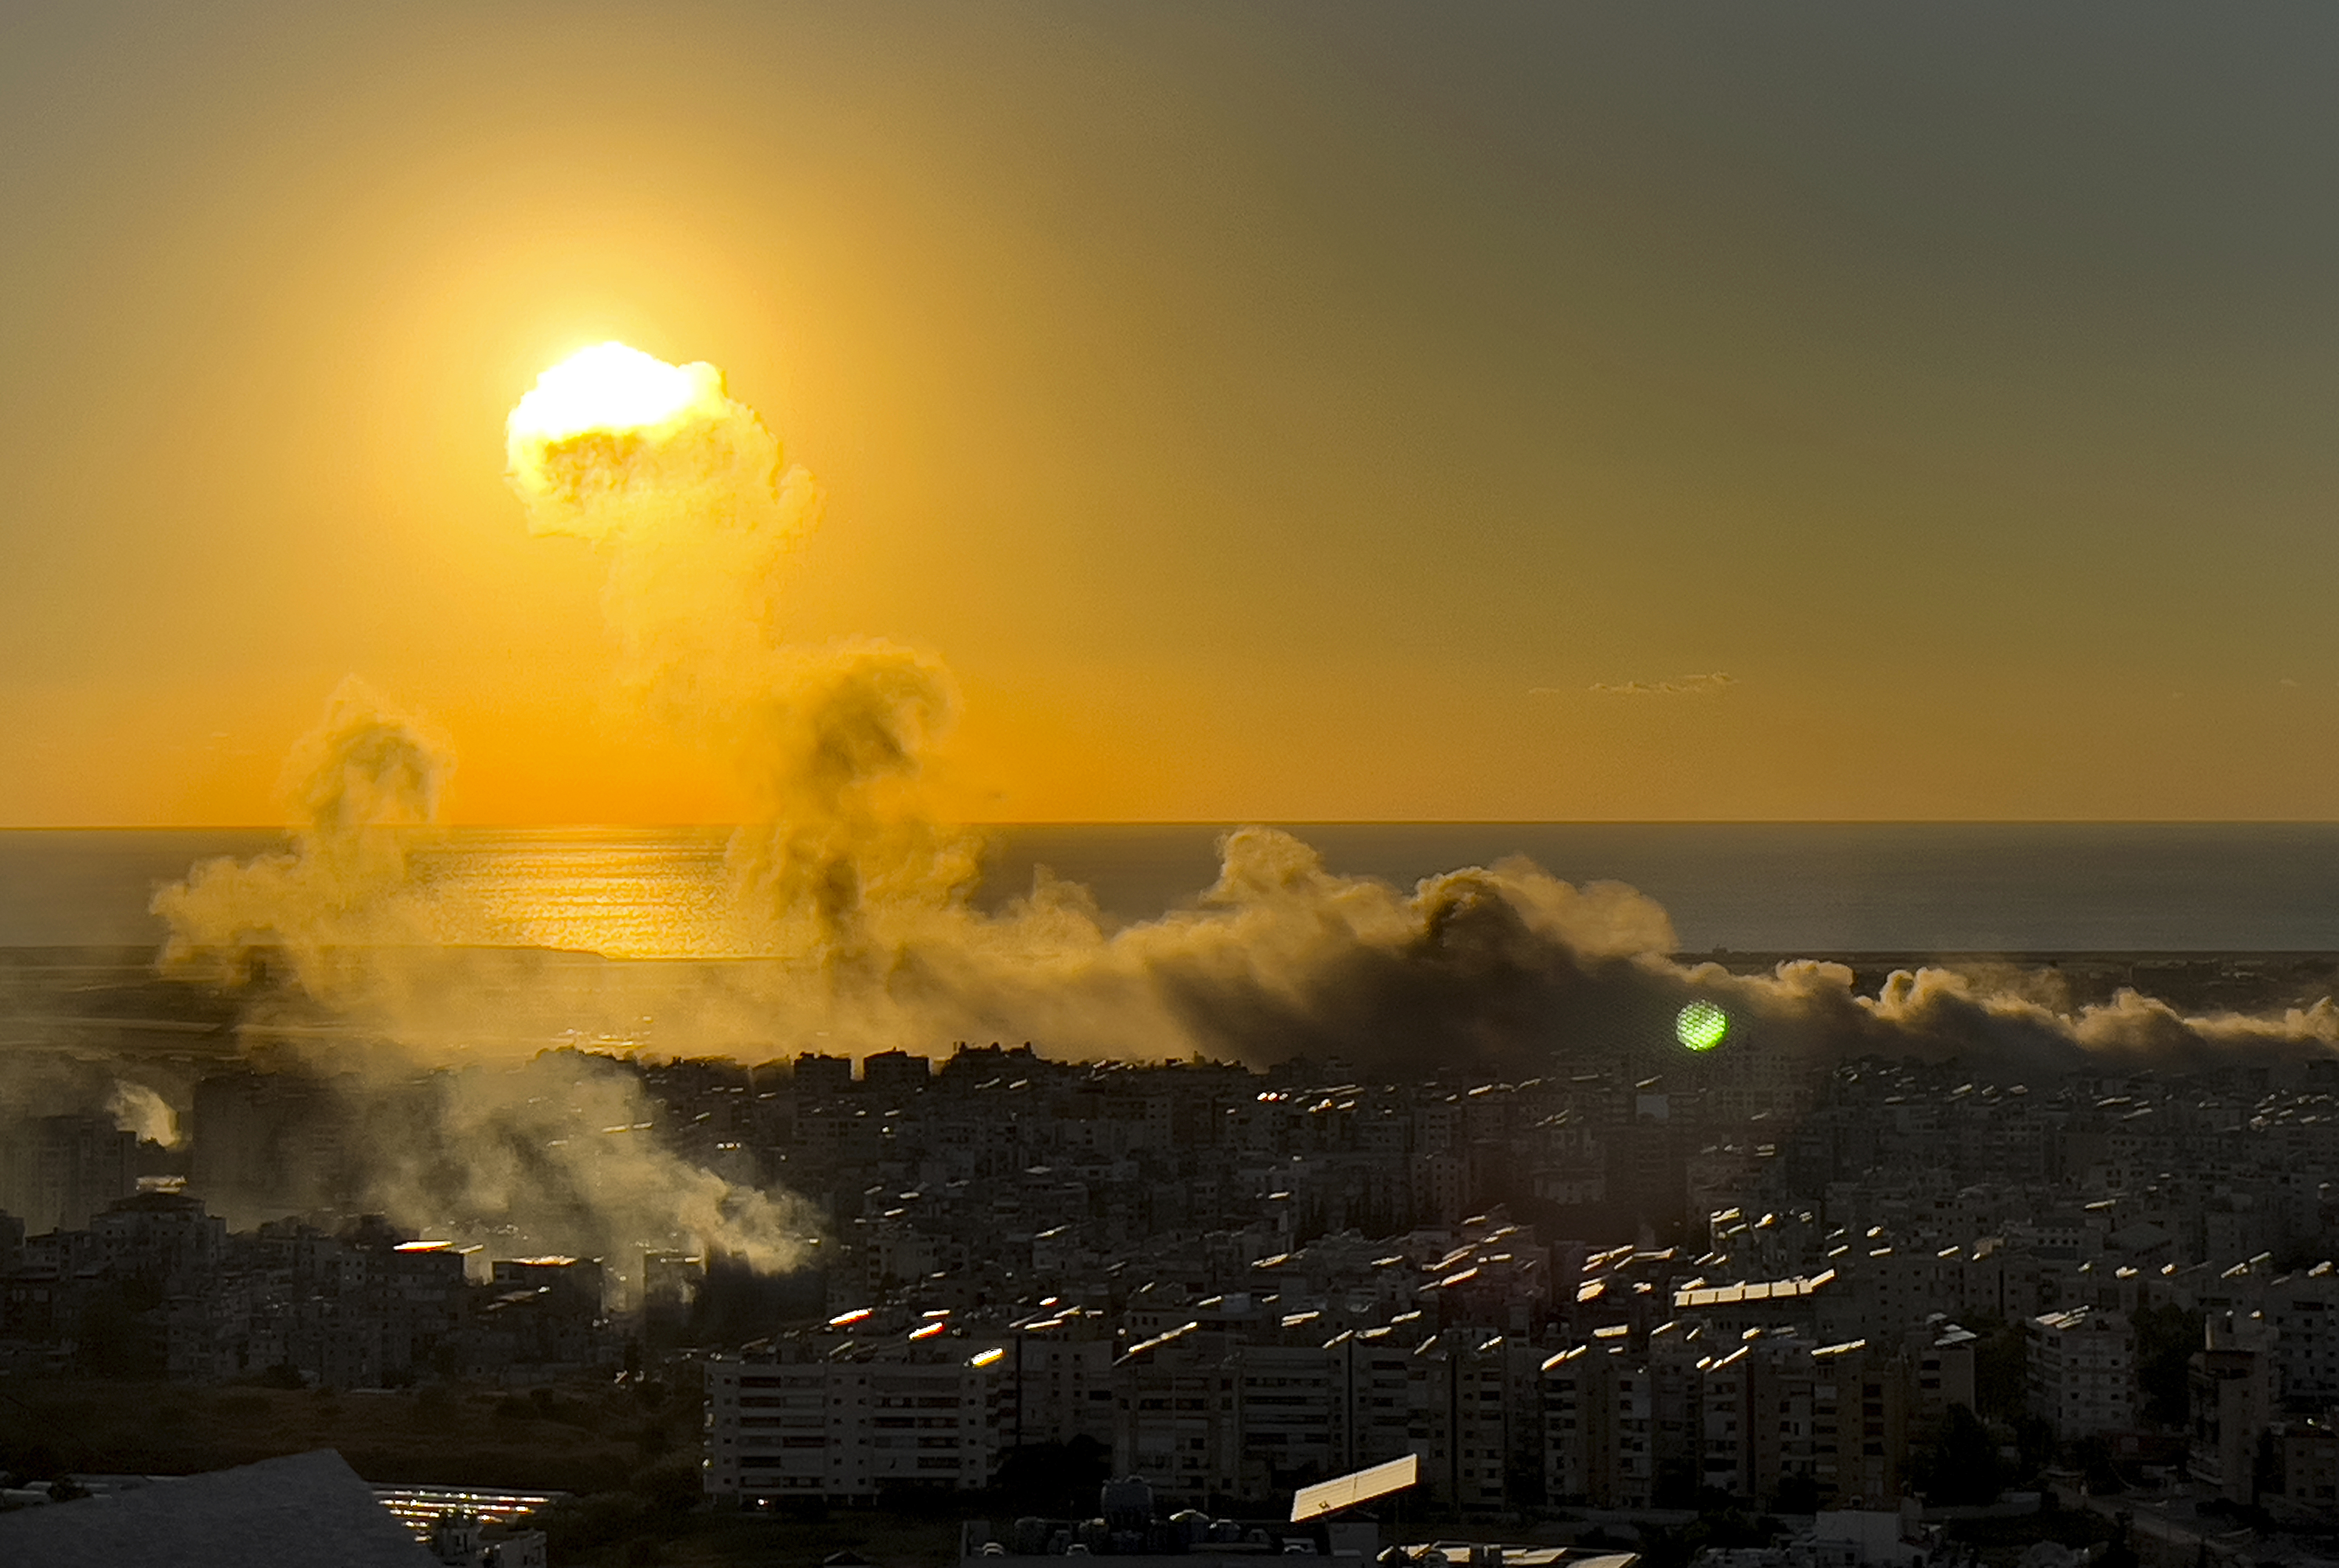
<point x="1701" y="1026"/>
<point x="608" y="387"/>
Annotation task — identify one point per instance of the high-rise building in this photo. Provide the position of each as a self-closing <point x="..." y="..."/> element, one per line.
<point x="57" y="1171"/>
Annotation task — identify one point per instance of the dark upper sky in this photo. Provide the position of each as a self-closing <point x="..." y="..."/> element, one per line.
<point x="1275" y="411"/>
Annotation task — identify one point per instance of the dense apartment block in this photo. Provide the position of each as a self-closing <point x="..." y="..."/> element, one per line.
<point x="1647" y="1282"/>
<point x="797" y="1423"/>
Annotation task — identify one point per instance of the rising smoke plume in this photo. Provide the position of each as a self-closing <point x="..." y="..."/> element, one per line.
<point x="140" y="1109"/>
<point x="687" y="496"/>
<point x="374" y="990"/>
<point x="356" y="789"/>
<point x="561" y="1152"/>
<point x="848" y="913"/>
<point x="860" y="889"/>
<point x="689" y="500"/>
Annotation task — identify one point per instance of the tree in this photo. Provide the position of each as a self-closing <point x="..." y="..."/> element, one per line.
<point x="1960" y="1465"/>
<point x="2093" y="1456"/>
<point x="2165" y="1338"/>
<point x="1059" y="1479"/>
<point x="1723" y="1526"/>
<point x="1796" y="1494"/>
<point x="2000" y="1390"/>
<point x="118" y="1337"/>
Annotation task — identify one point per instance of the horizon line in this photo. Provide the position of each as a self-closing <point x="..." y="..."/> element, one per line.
<point x="1231" y="823"/>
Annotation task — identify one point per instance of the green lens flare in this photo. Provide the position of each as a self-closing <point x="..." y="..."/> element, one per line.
<point x="1701" y="1026"/>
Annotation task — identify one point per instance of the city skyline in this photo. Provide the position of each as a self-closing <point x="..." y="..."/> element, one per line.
<point x="1042" y="779"/>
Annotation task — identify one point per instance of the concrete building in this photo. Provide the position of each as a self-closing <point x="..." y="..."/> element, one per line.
<point x="792" y="1423"/>
<point x="2233" y="1386"/>
<point x="2302" y="1485"/>
<point x="57" y="1171"/>
<point x="1059" y="1376"/>
<point x="1477" y="1419"/>
<point x="2080" y="1366"/>
<point x="2303" y="1310"/>
<point x="895" y="1071"/>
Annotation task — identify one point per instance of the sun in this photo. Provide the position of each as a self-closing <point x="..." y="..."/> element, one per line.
<point x="611" y="387"/>
<point x="612" y="439"/>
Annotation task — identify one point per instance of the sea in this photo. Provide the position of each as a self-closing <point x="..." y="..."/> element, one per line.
<point x="1756" y="888"/>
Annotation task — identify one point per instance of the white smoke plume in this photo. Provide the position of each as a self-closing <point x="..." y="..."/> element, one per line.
<point x="81" y="1080"/>
<point x="684" y="491"/>
<point x="688" y="499"/>
<point x="561" y="1152"/>
<point x="356" y="788"/>
<point x="139" y="1108"/>
<point x="378" y="988"/>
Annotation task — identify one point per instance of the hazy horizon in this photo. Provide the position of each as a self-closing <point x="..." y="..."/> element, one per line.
<point x="1794" y="887"/>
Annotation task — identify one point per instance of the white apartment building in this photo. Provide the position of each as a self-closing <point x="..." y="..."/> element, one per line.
<point x="783" y="1424"/>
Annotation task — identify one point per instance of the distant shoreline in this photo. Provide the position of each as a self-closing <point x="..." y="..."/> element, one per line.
<point x="1800" y="888"/>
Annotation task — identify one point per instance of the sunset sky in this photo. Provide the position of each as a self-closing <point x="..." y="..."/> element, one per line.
<point x="1270" y="412"/>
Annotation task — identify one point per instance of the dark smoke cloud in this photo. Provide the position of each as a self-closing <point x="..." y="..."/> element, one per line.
<point x="1507" y="969"/>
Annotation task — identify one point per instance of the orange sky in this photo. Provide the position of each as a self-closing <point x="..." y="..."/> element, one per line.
<point x="1284" y="413"/>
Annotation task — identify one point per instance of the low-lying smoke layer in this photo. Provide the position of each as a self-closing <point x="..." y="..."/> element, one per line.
<point x="561" y="1152"/>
